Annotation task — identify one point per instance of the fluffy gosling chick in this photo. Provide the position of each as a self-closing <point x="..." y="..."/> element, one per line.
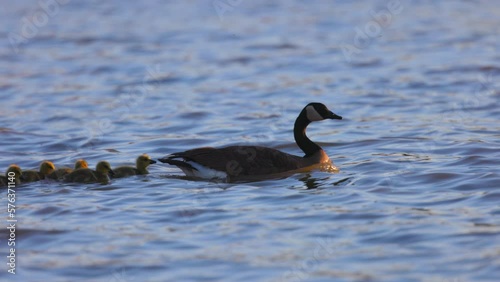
<point x="81" y="163"/>
<point x="86" y="175"/>
<point x="46" y="168"/>
<point x="141" y="164"/>
<point x="18" y="175"/>
<point x="61" y="172"/>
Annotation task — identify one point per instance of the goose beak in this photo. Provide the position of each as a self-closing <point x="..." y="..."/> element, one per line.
<point x="111" y="172"/>
<point x="152" y="161"/>
<point x="334" y="116"/>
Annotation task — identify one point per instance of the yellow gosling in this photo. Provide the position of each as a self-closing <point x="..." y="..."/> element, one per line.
<point x="86" y="175"/>
<point x="142" y="162"/>
<point x="18" y="174"/>
<point x="60" y="173"/>
<point x="46" y="168"/>
<point x="81" y="163"/>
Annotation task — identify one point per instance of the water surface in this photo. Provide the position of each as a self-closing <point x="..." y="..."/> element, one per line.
<point x="416" y="198"/>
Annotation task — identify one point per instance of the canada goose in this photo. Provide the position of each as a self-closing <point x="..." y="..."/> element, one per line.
<point x="255" y="162"/>
<point x="61" y="172"/>
<point x="141" y="164"/>
<point x="86" y="175"/>
<point x="46" y="168"/>
<point x="18" y="175"/>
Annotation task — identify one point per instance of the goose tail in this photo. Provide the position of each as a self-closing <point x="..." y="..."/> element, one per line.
<point x="180" y="164"/>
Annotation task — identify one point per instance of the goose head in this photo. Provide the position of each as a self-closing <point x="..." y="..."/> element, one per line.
<point x="318" y="111"/>
<point x="104" y="168"/>
<point x="47" y="167"/>
<point x="143" y="161"/>
<point x="81" y="163"/>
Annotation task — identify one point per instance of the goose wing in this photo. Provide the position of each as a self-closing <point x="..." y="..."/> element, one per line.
<point x="241" y="160"/>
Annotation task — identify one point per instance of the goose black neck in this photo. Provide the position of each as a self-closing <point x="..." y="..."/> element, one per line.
<point x="299" y="132"/>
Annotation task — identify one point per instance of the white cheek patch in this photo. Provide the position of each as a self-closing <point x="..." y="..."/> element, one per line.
<point x="312" y="114"/>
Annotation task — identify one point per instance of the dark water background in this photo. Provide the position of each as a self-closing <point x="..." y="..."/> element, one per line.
<point x="417" y="196"/>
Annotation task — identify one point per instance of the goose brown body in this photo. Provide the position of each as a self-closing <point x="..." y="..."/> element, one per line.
<point x="245" y="160"/>
<point x="241" y="162"/>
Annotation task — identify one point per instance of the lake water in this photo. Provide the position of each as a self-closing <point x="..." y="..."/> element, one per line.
<point x="417" y="196"/>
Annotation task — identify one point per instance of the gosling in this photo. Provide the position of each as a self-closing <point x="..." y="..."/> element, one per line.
<point x="46" y="168"/>
<point x="142" y="162"/>
<point x="18" y="176"/>
<point x="86" y="175"/>
<point x="61" y="172"/>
